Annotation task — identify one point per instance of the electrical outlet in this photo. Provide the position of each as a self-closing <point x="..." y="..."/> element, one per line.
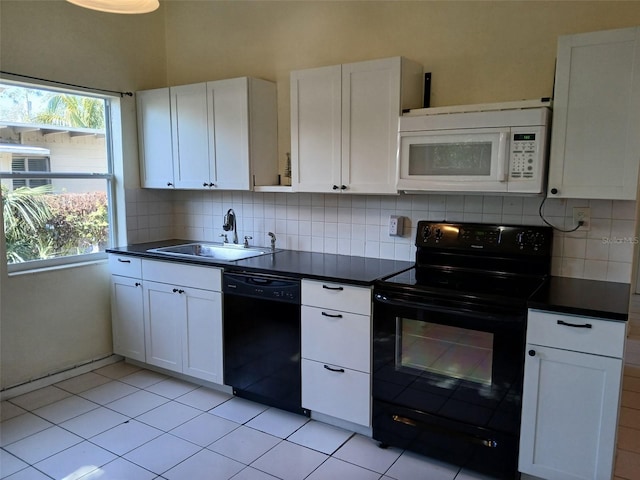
<point x="396" y="225"/>
<point x="582" y="214"/>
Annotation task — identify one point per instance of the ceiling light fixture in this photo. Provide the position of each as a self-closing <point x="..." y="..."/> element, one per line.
<point x="118" y="6"/>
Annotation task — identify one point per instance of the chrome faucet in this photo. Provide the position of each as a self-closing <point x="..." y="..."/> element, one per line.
<point x="273" y="240"/>
<point x="230" y="224"/>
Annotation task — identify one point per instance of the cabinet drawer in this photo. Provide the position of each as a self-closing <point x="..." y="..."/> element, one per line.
<point x="337" y="337"/>
<point x="206" y="278"/>
<point x="570" y="332"/>
<point x="343" y="394"/>
<point x="337" y="296"/>
<point x="125" y="265"/>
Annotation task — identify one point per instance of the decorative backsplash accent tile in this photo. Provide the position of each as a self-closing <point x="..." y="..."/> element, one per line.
<point x="357" y="225"/>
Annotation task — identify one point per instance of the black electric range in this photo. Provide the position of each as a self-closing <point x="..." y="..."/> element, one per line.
<point x="448" y="349"/>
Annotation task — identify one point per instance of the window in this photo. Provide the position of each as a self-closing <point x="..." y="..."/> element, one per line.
<point x="30" y="164"/>
<point x="56" y="175"/>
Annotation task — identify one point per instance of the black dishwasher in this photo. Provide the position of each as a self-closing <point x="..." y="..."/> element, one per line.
<point x="261" y="325"/>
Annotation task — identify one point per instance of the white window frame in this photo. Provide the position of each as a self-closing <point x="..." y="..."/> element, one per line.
<point x="111" y="103"/>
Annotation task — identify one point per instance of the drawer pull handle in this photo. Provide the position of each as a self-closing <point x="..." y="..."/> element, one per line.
<point x="178" y="290"/>
<point x="532" y="353"/>
<point x="337" y="370"/>
<point x="574" y="325"/>
<point x="338" y="289"/>
<point x="325" y="314"/>
<point x="124" y="261"/>
<point x="137" y="284"/>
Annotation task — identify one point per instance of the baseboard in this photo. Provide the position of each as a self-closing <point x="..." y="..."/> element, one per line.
<point x="344" y="424"/>
<point x="50" y="379"/>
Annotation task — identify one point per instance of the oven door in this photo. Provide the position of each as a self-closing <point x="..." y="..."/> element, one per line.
<point x="447" y="378"/>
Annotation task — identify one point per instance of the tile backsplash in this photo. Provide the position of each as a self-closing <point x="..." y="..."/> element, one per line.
<point x="358" y="225"/>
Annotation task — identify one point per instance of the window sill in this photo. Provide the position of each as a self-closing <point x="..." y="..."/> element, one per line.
<point x="61" y="264"/>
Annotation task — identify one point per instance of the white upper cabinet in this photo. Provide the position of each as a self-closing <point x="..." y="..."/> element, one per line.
<point x="218" y="135"/>
<point x="243" y="133"/>
<point x="154" y="138"/>
<point x="595" y="146"/>
<point x="316" y="128"/>
<point x="192" y="161"/>
<point x="344" y="124"/>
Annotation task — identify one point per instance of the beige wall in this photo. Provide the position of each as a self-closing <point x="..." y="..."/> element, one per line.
<point x="477" y="51"/>
<point x="54" y="320"/>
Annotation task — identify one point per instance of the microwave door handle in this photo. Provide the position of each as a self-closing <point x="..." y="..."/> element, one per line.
<point x="503" y="156"/>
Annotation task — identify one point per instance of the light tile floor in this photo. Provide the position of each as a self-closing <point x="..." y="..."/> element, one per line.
<point x="628" y="453"/>
<point x="125" y="423"/>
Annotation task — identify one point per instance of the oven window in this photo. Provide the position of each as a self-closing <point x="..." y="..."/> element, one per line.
<point x="444" y="350"/>
<point x="450" y="159"/>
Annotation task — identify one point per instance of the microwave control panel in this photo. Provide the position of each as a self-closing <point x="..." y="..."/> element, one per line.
<point x="526" y="157"/>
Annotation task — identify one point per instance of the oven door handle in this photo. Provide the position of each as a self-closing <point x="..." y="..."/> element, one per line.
<point x="455" y="309"/>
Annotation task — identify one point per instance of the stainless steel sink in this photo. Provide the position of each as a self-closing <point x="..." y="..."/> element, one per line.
<point x="224" y="252"/>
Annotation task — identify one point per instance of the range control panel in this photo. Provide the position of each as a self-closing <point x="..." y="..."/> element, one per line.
<point x="507" y="239"/>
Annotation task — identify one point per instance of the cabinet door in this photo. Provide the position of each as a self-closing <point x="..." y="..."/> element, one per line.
<point x="569" y="414"/>
<point x="370" y="110"/>
<point x="336" y="391"/>
<point x="190" y="133"/>
<point x="337" y="337"/>
<point x="202" y="335"/>
<point x="228" y="120"/>
<point x="316" y="129"/>
<point x="154" y="138"/>
<point x="164" y="314"/>
<point x="594" y="141"/>
<point x="127" y="317"/>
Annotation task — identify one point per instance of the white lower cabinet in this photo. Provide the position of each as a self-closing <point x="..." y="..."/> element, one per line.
<point x="168" y="315"/>
<point x="336" y="391"/>
<point x="571" y="395"/>
<point x="336" y="350"/>
<point x="183" y="318"/>
<point x="127" y="317"/>
<point x="183" y="330"/>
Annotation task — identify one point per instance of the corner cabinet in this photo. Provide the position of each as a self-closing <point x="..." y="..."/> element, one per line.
<point x="213" y="135"/>
<point x="595" y="146"/>
<point x="336" y="350"/>
<point x="571" y="396"/>
<point x="344" y="124"/>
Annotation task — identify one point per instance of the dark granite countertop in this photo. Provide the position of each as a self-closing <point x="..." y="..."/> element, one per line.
<point x="577" y="296"/>
<point x="292" y="263"/>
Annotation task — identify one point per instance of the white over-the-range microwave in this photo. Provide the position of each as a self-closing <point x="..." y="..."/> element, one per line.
<point x="492" y="148"/>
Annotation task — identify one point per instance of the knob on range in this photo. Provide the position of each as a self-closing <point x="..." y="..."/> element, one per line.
<point x="530" y="239"/>
<point x="431" y="232"/>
